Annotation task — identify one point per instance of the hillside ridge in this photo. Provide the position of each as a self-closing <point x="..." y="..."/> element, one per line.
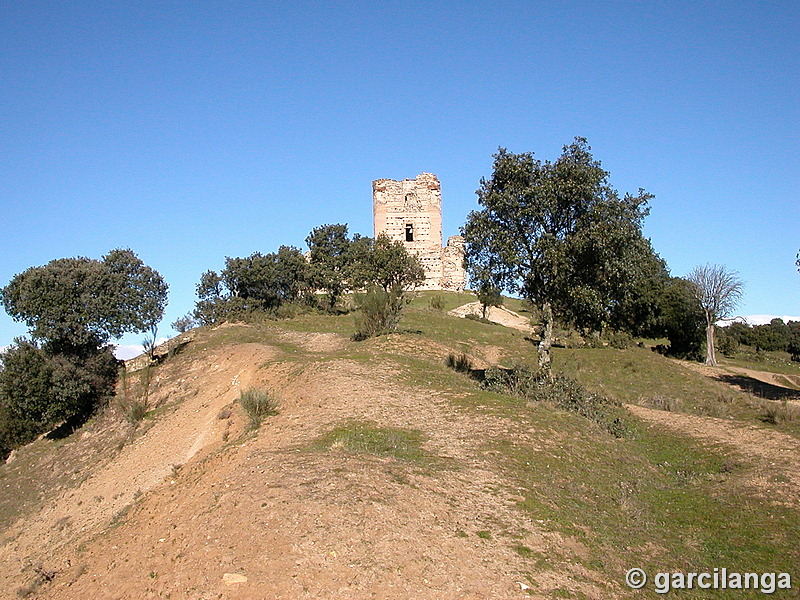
<point x="384" y="475"/>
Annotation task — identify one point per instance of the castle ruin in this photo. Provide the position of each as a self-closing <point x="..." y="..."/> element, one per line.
<point x="410" y="211"/>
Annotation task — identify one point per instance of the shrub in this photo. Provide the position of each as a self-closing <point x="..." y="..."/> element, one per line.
<point x="460" y="363"/>
<point x="133" y="409"/>
<point x="664" y="403"/>
<point x="184" y="323"/>
<point x="619" y="339"/>
<point x="379" y="312"/>
<point x="258" y="404"/>
<point x="519" y="380"/>
<point x="727" y="344"/>
<point x="479" y="319"/>
<point x="436" y="302"/>
<point x="565" y="392"/>
<point x="40" y="390"/>
<point x="775" y="413"/>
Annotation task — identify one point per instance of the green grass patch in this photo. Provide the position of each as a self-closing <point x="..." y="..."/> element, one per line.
<point x="640" y="376"/>
<point x="656" y="500"/>
<point x="450" y="300"/>
<point x="366" y="437"/>
<point x="773" y="361"/>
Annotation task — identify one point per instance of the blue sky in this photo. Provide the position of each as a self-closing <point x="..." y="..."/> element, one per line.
<point x="191" y="131"/>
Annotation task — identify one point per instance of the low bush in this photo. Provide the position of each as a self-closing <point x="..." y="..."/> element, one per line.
<point x="379" y="313"/>
<point x="560" y="390"/>
<point x="776" y="413"/>
<point x="436" y="302"/>
<point x="133" y="409"/>
<point x="257" y="404"/>
<point x="460" y="363"/>
<point x="619" y="339"/>
<point x="184" y="323"/>
<point x="665" y="403"/>
<point x="479" y="319"/>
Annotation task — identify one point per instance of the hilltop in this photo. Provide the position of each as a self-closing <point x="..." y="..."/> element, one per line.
<point x="386" y="474"/>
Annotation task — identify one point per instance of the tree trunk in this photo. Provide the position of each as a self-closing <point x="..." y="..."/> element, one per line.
<point x="711" y="355"/>
<point x="547" y="340"/>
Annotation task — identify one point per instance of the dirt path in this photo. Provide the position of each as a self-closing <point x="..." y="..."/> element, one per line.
<point x="774" y="456"/>
<point x="287" y="519"/>
<point x="496" y="314"/>
<point x="770" y="386"/>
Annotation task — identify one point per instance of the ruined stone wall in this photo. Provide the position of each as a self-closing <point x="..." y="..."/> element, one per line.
<point x="410" y="211"/>
<point x="454" y="277"/>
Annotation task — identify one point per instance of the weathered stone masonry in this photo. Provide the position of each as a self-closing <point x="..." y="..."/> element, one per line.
<point x="410" y="211"/>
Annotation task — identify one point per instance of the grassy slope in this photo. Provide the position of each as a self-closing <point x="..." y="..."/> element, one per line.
<point x="656" y="499"/>
<point x="653" y="499"/>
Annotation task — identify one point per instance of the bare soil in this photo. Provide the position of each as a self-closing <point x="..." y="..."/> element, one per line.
<point x="198" y="508"/>
<point x="496" y="314"/>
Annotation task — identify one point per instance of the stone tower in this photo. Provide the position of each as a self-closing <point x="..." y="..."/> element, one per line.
<point x="410" y="211"/>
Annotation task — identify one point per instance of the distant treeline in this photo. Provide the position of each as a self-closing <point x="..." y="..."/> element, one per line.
<point x="776" y="335"/>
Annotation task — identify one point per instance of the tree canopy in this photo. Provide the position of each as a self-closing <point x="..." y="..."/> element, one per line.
<point x="329" y="260"/>
<point x="336" y="263"/>
<point x="259" y="282"/>
<point x="560" y="234"/>
<point x="383" y="262"/>
<point x="73" y="306"/>
<point x="83" y="302"/>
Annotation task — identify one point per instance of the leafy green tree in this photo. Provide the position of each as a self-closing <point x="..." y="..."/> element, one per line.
<point x="488" y="295"/>
<point x="560" y="235"/>
<point x="329" y="260"/>
<point x="793" y="345"/>
<point x="718" y="291"/>
<point x="257" y="283"/>
<point x="267" y="279"/>
<point x="680" y="319"/>
<point x="742" y="333"/>
<point x="75" y="303"/>
<point x="383" y="262"/>
<point x="73" y="307"/>
<point x="213" y="301"/>
<point x="40" y="389"/>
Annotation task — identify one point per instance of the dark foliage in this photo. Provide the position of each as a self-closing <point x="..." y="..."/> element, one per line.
<point x="256" y="285"/>
<point x="776" y="335"/>
<point x="559" y="234"/>
<point x="681" y="320"/>
<point x="565" y="392"/>
<point x="40" y="390"/>
<point x="73" y="307"/>
<point x="82" y="302"/>
<point x="378" y="312"/>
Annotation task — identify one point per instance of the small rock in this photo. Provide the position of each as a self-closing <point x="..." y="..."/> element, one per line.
<point x="234" y="578"/>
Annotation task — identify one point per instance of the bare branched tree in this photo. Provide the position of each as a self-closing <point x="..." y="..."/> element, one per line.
<point x="718" y="291"/>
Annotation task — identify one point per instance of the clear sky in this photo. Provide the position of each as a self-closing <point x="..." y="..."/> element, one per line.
<point x="192" y="131"/>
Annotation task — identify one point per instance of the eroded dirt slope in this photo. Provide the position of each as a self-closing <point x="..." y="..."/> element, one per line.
<point x="273" y="514"/>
